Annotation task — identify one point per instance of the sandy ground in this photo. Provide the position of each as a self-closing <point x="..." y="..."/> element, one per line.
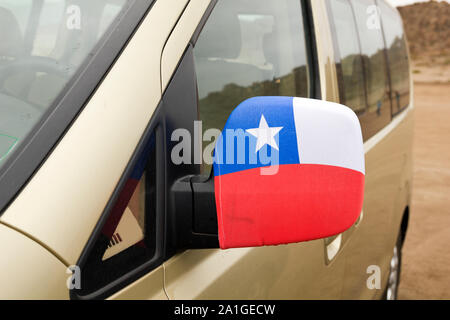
<point x="428" y="72"/>
<point x="426" y="253"/>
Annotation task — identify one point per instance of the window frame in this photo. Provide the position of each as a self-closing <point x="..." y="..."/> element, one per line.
<point x="156" y="130"/>
<point x="311" y="48"/>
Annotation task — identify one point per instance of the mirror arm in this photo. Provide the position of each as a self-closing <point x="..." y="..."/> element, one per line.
<point x="195" y="213"/>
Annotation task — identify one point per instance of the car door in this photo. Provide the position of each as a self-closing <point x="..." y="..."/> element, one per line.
<point x="250" y="48"/>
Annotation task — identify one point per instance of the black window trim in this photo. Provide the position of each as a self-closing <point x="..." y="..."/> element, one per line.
<point x="155" y="128"/>
<point x="311" y="49"/>
<point x="46" y="134"/>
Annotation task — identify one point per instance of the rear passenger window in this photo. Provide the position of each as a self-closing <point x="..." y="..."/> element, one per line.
<point x="361" y="62"/>
<point x="378" y="112"/>
<point x="249" y="48"/>
<point x="397" y="56"/>
<point x="348" y="56"/>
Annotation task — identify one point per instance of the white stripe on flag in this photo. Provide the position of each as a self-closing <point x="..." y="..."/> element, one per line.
<point x="328" y="134"/>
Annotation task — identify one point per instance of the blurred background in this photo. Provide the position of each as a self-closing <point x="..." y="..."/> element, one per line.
<point x="426" y="255"/>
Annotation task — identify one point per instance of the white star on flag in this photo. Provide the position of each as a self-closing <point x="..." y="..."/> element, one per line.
<point x="265" y="134"/>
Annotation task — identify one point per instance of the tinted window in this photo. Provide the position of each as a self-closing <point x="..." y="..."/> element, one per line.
<point x="249" y="48"/>
<point x="347" y="50"/>
<point x="397" y="56"/>
<point x="378" y="112"/>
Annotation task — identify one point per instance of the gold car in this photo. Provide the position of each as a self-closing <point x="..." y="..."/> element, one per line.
<point x="94" y="205"/>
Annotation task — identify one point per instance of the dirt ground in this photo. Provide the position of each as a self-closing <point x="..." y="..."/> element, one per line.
<point x="426" y="71"/>
<point x="426" y="253"/>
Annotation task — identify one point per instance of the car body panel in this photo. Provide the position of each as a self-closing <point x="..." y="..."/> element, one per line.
<point x="295" y="271"/>
<point x="30" y="271"/>
<point x="387" y="191"/>
<point x="149" y="287"/>
<point x="180" y="37"/>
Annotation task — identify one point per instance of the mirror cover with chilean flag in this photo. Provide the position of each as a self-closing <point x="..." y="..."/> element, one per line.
<point x="287" y="170"/>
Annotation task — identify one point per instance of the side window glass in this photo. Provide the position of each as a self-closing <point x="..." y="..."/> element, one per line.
<point x="249" y="48"/>
<point x="128" y="238"/>
<point x="18" y="12"/>
<point x="347" y="49"/>
<point x="109" y="12"/>
<point x="378" y="113"/>
<point x="47" y="29"/>
<point x="397" y="56"/>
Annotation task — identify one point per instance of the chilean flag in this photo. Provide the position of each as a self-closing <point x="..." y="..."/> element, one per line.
<point x="287" y="170"/>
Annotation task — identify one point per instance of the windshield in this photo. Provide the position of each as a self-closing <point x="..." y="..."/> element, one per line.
<point x="43" y="43"/>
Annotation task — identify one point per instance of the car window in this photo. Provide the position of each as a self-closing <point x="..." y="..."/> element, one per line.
<point x="42" y="46"/>
<point x="348" y="54"/>
<point x="361" y="62"/>
<point x="397" y="56"/>
<point x="249" y="48"/>
<point x="128" y="238"/>
<point x="21" y="10"/>
<point x="378" y="112"/>
<point x="48" y="28"/>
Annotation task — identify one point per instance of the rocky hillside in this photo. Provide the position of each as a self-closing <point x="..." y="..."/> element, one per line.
<point x="427" y="26"/>
<point x="428" y="29"/>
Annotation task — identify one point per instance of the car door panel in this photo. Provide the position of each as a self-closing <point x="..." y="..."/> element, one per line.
<point x="296" y="271"/>
<point x="149" y="287"/>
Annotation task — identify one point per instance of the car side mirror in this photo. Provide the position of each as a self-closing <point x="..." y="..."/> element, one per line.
<point x="286" y="170"/>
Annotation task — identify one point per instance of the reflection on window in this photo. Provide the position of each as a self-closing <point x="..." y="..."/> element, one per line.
<point x="48" y="27"/>
<point x="350" y="68"/>
<point x="378" y="113"/>
<point x="397" y="56"/>
<point x="40" y="51"/>
<point x="249" y="48"/>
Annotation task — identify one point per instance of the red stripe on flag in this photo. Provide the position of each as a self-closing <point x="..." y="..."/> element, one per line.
<point x="301" y="202"/>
